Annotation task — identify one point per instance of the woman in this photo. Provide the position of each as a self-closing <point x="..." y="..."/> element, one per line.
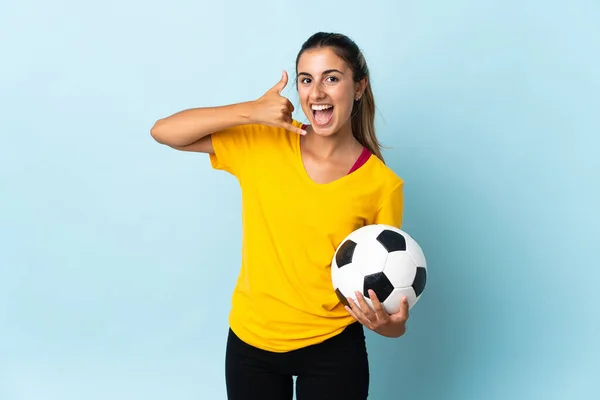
<point x="304" y="188"/>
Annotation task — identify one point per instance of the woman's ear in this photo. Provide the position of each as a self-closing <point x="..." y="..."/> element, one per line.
<point x="360" y="88"/>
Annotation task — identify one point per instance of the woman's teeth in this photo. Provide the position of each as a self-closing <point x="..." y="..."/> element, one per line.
<point x="320" y="107"/>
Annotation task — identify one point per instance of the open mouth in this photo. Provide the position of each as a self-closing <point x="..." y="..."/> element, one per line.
<point x="322" y="113"/>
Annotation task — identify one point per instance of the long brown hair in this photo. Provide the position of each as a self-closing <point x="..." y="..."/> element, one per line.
<point x="363" y="111"/>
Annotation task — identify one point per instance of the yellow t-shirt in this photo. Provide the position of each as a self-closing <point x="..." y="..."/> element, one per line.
<point x="283" y="298"/>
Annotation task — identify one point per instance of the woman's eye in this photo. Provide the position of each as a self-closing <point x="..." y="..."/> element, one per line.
<point x="305" y="80"/>
<point x="332" y="79"/>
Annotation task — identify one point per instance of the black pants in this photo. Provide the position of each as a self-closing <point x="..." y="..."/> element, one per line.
<point x="335" y="369"/>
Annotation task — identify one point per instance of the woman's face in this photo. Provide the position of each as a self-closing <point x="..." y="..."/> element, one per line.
<point x="326" y="89"/>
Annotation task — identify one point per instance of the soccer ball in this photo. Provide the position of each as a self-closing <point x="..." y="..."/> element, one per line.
<point x="382" y="258"/>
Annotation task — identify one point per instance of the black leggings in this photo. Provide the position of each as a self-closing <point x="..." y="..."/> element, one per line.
<point x="335" y="369"/>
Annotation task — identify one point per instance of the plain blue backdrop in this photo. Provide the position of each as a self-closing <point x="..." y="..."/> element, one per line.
<point x="118" y="255"/>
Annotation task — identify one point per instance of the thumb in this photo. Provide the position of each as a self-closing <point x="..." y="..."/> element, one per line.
<point x="405" y="306"/>
<point x="403" y="311"/>
<point x="282" y="83"/>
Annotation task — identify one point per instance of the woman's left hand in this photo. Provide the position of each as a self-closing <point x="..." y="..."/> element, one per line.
<point x="378" y="320"/>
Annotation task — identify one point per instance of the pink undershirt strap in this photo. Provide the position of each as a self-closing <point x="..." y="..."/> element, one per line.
<point x="361" y="160"/>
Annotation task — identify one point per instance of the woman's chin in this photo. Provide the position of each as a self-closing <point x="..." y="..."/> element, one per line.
<point x="324" y="129"/>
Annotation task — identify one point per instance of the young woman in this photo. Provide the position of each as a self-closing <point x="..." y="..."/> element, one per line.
<point x="304" y="188"/>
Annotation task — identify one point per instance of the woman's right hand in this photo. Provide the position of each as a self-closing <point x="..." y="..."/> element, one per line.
<point x="273" y="109"/>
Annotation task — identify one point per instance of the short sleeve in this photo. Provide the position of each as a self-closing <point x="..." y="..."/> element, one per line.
<point x="232" y="148"/>
<point x="391" y="208"/>
<point x="235" y="147"/>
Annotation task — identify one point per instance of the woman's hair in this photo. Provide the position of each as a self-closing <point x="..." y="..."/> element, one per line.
<point x="363" y="111"/>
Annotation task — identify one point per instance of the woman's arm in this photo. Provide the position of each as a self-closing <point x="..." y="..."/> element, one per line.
<point x="190" y="129"/>
<point x="190" y="126"/>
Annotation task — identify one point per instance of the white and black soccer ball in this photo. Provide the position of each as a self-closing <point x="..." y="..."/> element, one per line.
<point x="382" y="258"/>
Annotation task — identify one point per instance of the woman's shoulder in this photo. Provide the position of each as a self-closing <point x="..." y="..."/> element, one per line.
<point x="385" y="175"/>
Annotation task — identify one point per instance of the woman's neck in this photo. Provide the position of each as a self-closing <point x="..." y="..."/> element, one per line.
<point x="336" y="146"/>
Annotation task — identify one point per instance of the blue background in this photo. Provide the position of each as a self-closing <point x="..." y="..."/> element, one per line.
<point x="118" y="255"/>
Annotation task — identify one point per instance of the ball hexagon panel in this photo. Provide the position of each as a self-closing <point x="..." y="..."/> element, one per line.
<point x="392" y="303"/>
<point x="400" y="269"/>
<point x="369" y="256"/>
<point x="346" y="281"/>
<point x="365" y="232"/>
<point x="413" y="248"/>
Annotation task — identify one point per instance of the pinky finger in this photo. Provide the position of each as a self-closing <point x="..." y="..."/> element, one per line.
<point x="295" y="129"/>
